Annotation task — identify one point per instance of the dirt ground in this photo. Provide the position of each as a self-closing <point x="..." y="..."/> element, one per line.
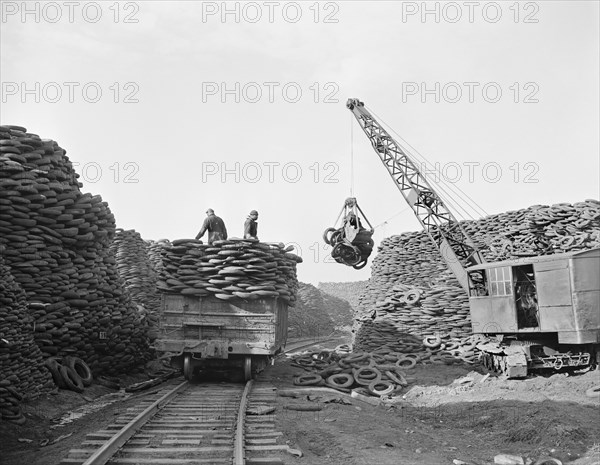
<point x="438" y="421"/>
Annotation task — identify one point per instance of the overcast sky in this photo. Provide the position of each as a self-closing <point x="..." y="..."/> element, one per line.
<point x="169" y="108"/>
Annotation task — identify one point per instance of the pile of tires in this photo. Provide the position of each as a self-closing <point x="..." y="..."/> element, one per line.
<point x="232" y="269"/>
<point x="55" y="240"/>
<point x="10" y="403"/>
<point x="139" y="277"/>
<point x="382" y="371"/>
<point x="377" y="374"/>
<point x="21" y="361"/>
<point x="409" y="263"/>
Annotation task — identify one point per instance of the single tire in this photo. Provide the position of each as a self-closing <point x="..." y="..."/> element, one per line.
<point x="308" y="380"/>
<point x="326" y="237"/>
<point x="340" y="380"/>
<point x="188" y="368"/>
<point x="412" y="297"/>
<point x="17" y="421"/>
<point x="53" y="366"/>
<point x="367" y="375"/>
<point x="593" y="391"/>
<point x="360" y="266"/>
<point x="381" y="388"/>
<point x="548" y="461"/>
<point x="71" y="378"/>
<point x="247" y="368"/>
<point x="432" y="342"/>
<point x="81" y="368"/>
<point x="405" y="363"/>
<point x="305" y="361"/>
<point x="397" y="378"/>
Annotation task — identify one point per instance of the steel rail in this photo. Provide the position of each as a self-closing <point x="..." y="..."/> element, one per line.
<point x="302" y="346"/>
<point x="238" y="446"/>
<point x="108" y="450"/>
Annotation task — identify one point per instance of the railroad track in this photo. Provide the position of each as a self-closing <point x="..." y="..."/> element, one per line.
<point x="190" y="424"/>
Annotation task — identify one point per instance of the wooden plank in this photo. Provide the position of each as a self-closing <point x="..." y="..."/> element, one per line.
<point x="258" y="442"/>
<point x="166" y="461"/>
<point x="268" y="448"/>
<point x="264" y="461"/>
<point x="264" y="435"/>
<point x="173" y="450"/>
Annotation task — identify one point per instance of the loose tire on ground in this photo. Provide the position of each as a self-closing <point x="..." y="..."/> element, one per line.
<point x="367" y="375"/>
<point x="71" y="378"/>
<point x="340" y="380"/>
<point x="405" y="363"/>
<point x="53" y="366"/>
<point x="81" y="368"/>
<point x="307" y="380"/>
<point x="376" y="388"/>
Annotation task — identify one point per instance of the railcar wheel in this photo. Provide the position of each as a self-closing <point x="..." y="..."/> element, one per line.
<point x="187" y="367"/>
<point x="247" y="368"/>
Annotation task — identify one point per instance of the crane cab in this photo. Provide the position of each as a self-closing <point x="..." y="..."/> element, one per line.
<point x="546" y="301"/>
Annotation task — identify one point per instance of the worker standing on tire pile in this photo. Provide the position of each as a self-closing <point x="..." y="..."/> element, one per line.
<point x="251" y="226"/>
<point x="215" y="227"/>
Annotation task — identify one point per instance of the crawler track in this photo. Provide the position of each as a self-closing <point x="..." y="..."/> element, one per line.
<point x="187" y="424"/>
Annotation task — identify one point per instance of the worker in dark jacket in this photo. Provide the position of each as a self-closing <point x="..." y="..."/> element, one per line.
<point x="215" y="227"/>
<point x="250" y="226"/>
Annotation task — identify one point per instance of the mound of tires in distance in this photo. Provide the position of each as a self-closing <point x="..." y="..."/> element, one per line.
<point x="135" y="268"/>
<point x="310" y="317"/>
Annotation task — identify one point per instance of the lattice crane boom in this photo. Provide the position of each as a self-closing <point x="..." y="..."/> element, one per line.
<point x="455" y="246"/>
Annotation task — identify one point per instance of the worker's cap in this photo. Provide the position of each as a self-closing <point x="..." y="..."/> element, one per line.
<point x="253" y="212"/>
<point x="210" y="210"/>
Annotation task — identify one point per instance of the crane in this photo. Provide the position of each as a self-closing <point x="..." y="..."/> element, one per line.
<point x="455" y="246"/>
<point x="523" y="313"/>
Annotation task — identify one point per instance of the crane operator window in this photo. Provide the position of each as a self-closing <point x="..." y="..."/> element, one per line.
<point x="500" y="281"/>
<point x="478" y="283"/>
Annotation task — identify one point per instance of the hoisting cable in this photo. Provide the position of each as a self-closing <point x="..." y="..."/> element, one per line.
<point x="415" y="153"/>
<point x="392" y="217"/>
<point x="473" y="205"/>
<point x="351" y="155"/>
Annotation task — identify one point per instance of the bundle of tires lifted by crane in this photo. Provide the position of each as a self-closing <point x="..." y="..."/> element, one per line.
<point x="352" y="243"/>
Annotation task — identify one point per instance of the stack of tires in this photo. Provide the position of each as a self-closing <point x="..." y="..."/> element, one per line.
<point x="55" y="241"/>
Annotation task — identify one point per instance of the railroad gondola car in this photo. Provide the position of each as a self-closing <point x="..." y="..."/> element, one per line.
<point x="207" y="333"/>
